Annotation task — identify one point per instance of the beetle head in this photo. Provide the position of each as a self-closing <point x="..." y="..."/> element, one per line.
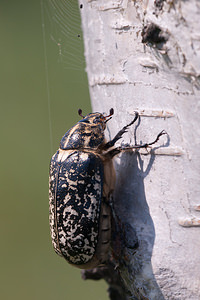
<point x="96" y="118"/>
<point x="87" y="133"/>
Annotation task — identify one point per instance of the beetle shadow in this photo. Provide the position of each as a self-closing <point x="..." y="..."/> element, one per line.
<point x="131" y="206"/>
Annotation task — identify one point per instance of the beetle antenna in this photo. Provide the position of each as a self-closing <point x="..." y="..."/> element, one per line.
<point x="111" y="112"/>
<point x="107" y="120"/>
<point x="80" y="113"/>
<point x="109" y="116"/>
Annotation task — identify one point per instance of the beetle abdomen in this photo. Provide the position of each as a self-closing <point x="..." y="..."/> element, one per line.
<point x="75" y="204"/>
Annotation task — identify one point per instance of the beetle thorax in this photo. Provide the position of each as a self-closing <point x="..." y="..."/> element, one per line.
<point x="86" y="134"/>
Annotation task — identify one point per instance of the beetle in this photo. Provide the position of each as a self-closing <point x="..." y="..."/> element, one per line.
<point x="81" y="182"/>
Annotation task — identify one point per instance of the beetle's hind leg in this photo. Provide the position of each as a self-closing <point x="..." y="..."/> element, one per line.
<point x="117" y="150"/>
<point x="120" y="133"/>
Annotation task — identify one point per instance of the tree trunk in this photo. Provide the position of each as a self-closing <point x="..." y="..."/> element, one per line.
<point x="145" y="57"/>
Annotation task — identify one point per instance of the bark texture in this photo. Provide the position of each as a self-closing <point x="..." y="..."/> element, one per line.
<point x="145" y="56"/>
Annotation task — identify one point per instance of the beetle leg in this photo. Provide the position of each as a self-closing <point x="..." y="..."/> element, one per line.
<point x="117" y="150"/>
<point x="119" y="134"/>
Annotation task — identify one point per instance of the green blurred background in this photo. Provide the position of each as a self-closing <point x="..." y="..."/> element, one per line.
<point x="29" y="267"/>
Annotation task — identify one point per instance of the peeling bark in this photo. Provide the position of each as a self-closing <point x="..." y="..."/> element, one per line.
<point x="145" y="57"/>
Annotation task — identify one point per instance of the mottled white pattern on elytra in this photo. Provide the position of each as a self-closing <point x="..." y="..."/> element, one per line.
<point x="68" y="232"/>
<point x="53" y="230"/>
<point x="70" y="210"/>
<point x="98" y="177"/>
<point x="71" y="183"/>
<point x="84" y="156"/>
<point x="63" y="155"/>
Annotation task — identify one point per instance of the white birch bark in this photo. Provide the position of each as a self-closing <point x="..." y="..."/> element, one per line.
<point x="157" y="194"/>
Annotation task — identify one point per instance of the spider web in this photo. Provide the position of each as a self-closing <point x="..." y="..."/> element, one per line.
<point x="63" y="27"/>
<point x="63" y="44"/>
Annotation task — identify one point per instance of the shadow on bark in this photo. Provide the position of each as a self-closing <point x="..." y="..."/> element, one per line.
<point x="129" y="273"/>
<point x="131" y="205"/>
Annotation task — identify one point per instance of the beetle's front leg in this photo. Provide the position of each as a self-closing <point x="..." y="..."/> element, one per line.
<point x="120" y="133"/>
<point x="117" y="150"/>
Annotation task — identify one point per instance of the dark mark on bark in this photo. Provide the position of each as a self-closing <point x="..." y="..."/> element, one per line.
<point x="153" y="34"/>
<point x="159" y="4"/>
